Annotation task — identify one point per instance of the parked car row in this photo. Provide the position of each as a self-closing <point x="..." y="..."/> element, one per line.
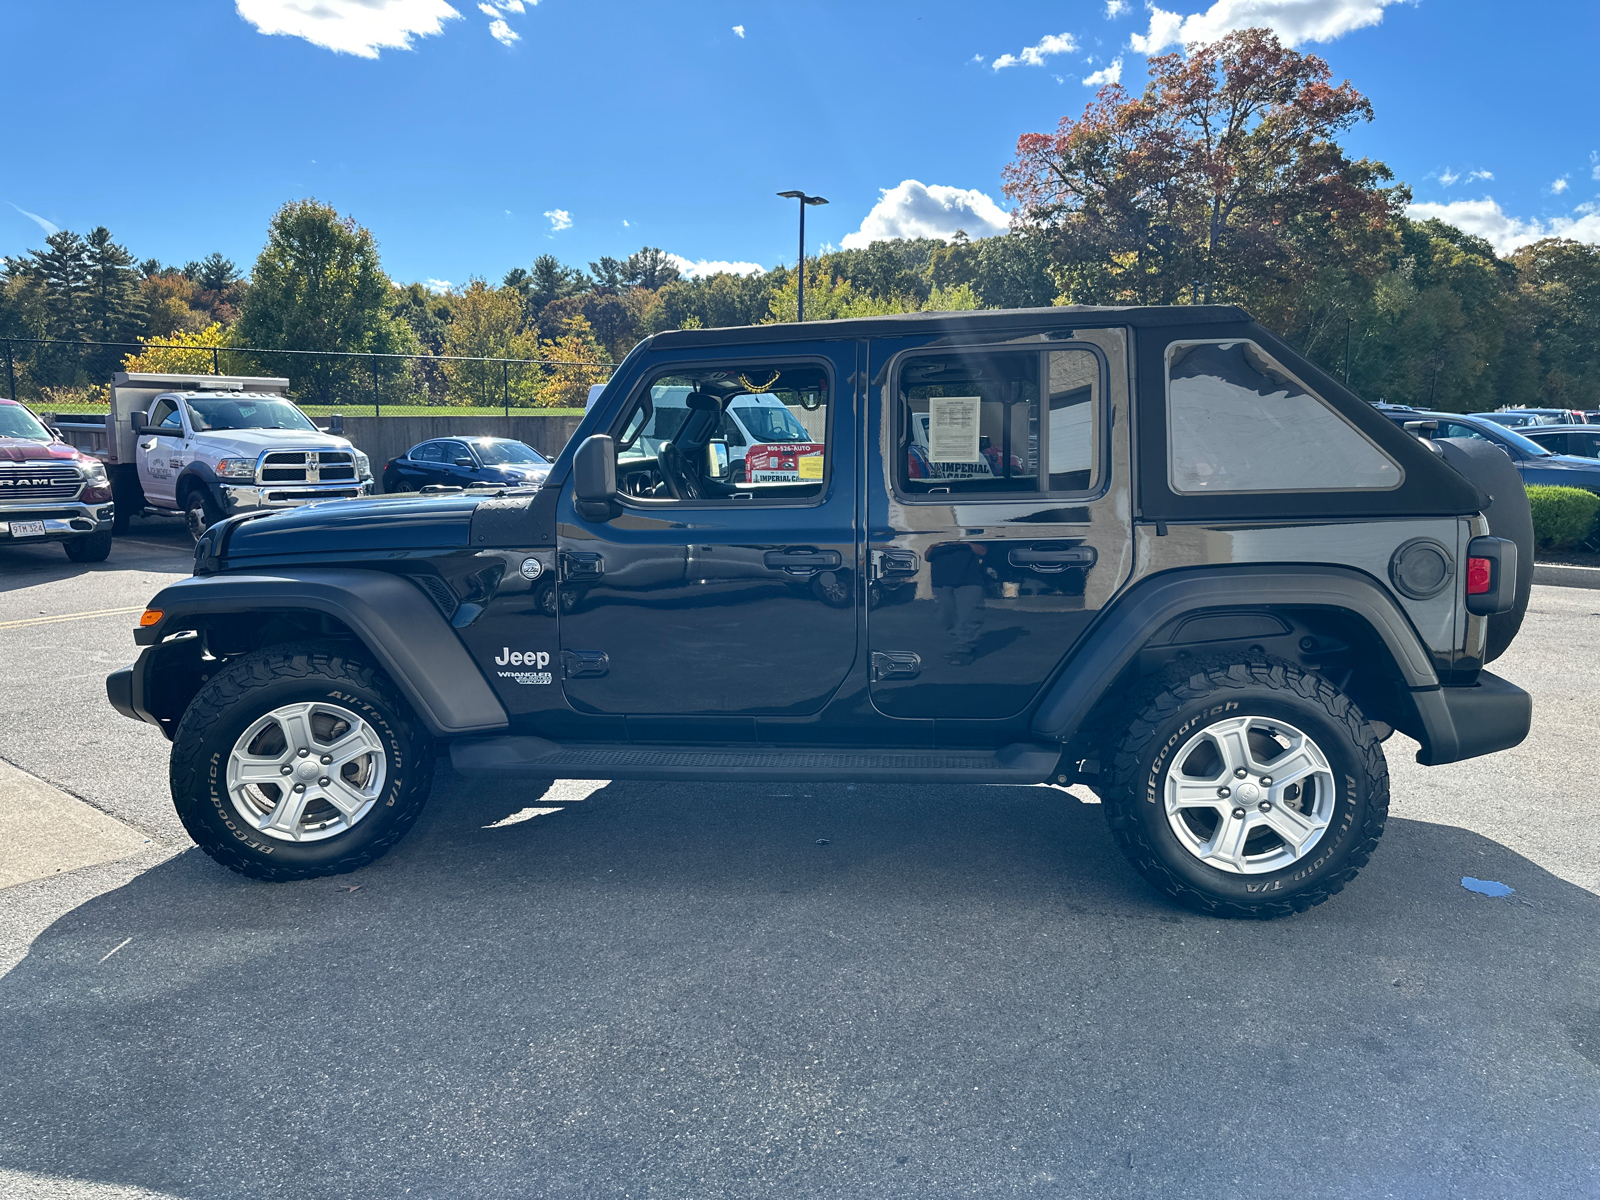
<point x="1543" y="455"/>
<point x="1525" y="418"/>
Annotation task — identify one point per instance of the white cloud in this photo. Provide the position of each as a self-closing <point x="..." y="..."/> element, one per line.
<point x="1481" y="175"/>
<point x="703" y="268"/>
<point x="1111" y="74"/>
<point x="915" y="210"/>
<point x="1560" y="185"/>
<point x="503" y="33"/>
<point x="359" y="27"/>
<point x="739" y="29"/>
<point x="1034" y="56"/>
<point x="36" y="219"/>
<point x="625" y="222"/>
<point x="1594" y="163"/>
<point x="560" y="219"/>
<point x="1506" y="233"/>
<point x="1294" y="21"/>
<point x="1448" y="177"/>
<point x="1115" y="8"/>
<point x="978" y="58"/>
<point x="437" y="285"/>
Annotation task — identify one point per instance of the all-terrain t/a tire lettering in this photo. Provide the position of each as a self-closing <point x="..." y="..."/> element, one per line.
<point x="1192" y="803"/>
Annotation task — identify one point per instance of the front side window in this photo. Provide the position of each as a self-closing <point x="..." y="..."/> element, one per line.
<point x="165" y="415"/>
<point x="973" y="422"/>
<point x="1238" y="422"/>
<point x="428" y="452"/>
<point x="751" y="431"/>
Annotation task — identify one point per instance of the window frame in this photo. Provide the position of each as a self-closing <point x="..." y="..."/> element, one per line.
<point x="619" y="425"/>
<point x="1100" y="453"/>
<point x="1166" y="398"/>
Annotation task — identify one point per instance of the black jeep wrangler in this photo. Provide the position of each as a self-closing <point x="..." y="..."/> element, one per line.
<point x="1149" y="550"/>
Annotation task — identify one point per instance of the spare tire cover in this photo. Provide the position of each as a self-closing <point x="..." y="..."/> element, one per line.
<point x="1509" y="516"/>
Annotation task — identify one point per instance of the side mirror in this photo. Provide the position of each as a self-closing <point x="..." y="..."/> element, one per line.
<point x="138" y="418"/>
<point x="717" y="459"/>
<point x="463" y="462"/>
<point x="594" y="478"/>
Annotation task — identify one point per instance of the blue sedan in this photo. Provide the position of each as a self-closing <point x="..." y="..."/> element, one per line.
<point x="465" y="462"/>
<point x="1534" y="463"/>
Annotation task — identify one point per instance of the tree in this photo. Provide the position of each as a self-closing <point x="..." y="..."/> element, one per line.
<point x="1555" y="315"/>
<point x="547" y="282"/>
<point x="1223" y="180"/>
<point x="318" y="285"/>
<point x="188" y="353"/>
<point x="574" y="363"/>
<point x="486" y="322"/>
<point x="113" y="306"/>
<point x="650" y="268"/>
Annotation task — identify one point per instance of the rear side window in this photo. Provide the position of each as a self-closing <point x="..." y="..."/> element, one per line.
<point x="428" y="452"/>
<point x="999" y="423"/>
<point x="1237" y="421"/>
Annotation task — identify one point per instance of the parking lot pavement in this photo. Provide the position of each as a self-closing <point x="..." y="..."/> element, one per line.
<point x="796" y="991"/>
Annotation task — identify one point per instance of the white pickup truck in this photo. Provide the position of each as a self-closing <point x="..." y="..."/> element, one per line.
<point x="209" y="446"/>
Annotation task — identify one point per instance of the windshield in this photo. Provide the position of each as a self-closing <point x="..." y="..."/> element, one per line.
<point x="18" y="422"/>
<point x="495" y="454"/>
<point x="770" y="423"/>
<point x="1525" y="444"/>
<point x="247" y="412"/>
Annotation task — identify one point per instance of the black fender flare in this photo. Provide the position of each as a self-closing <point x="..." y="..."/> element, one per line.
<point x="198" y="473"/>
<point x="1111" y="643"/>
<point x="391" y="617"/>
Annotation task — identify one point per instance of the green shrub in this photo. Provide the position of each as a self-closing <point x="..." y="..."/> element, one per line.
<point x="1562" y="516"/>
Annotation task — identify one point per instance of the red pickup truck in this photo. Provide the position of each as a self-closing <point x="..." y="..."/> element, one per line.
<point x="49" y="491"/>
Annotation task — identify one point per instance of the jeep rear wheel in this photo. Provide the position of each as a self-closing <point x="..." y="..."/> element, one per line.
<point x="1248" y="789"/>
<point x="299" y="761"/>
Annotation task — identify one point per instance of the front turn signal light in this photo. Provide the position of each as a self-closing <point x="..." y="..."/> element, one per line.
<point x="152" y="616"/>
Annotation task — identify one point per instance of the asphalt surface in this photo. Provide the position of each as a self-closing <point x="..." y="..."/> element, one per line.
<point x="787" y="991"/>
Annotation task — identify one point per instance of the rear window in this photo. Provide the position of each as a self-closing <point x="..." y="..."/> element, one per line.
<point x="1237" y="421"/>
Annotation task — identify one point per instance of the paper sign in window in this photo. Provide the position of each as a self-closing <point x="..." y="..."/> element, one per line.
<point x="953" y="429"/>
<point x="810" y="466"/>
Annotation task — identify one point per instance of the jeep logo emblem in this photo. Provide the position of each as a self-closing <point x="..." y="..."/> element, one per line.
<point x="539" y="659"/>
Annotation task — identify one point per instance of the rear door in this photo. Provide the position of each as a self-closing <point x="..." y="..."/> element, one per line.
<point x="740" y="602"/>
<point x="999" y="517"/>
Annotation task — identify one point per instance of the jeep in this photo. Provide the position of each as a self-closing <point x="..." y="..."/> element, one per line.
<point x="1151" y="551"/>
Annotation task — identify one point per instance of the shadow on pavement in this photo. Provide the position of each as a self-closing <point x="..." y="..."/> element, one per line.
<point x="667" y="990"/>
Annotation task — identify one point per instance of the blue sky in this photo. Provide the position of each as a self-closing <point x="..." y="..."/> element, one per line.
<point x="590" y="127"/>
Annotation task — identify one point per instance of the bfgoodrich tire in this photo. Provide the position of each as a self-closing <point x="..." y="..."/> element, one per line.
<point x="299" y="761"/>
<point x="1247" y="789"/>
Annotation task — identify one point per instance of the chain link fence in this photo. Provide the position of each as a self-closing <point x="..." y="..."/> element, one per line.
<point x="74" y="377"/>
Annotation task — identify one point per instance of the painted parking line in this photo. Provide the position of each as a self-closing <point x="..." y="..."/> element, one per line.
<point x="82" y="616"/>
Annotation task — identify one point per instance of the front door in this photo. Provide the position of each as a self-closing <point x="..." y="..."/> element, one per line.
<point x="999" y="516"/>
<point x="716" y="592"/>
<point x="162" y="455"/>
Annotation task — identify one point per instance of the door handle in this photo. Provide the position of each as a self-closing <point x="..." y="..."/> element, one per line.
<point x="895" y="664"/>
<point x="801" y="562"/>
<point x="1048" y="562"/>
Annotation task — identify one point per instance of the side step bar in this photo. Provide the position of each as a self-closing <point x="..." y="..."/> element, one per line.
<point x="507" y="755"/>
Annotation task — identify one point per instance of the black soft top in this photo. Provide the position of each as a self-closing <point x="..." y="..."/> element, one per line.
<point x="1012" y="320"/>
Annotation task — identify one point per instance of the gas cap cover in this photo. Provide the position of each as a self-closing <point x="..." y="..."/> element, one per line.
<point x="1421" y="568"/>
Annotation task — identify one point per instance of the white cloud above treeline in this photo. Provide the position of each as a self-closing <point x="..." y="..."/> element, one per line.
<point x="1107" y="74"/>
<point x="917" y="210"/>
<point x="560" y="219"/>
<point x="1485" y="218"/>
<point x="702" y="268"/>
<point x="1034" y="55"/>
<point x="359" y="27"/>
<point x="1294" y="21"/>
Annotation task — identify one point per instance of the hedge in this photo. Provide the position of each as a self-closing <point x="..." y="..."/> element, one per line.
<point x="1562" y="516"/>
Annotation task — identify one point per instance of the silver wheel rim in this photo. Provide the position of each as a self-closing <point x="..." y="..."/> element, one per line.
<point x="1249" y="795"/>
<point x="196" y="513"/>
<point x="306" y="772"/>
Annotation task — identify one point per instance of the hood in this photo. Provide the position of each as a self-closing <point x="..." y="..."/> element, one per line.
<point x="28" y="450"/>
<point x="517" y="472"/>
<point x="382" y="524"/>
<point x="1568" y="462"/>
<point x="253" y="441"/>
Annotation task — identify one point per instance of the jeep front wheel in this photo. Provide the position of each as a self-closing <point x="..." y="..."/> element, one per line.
<point x="1248" y="789"/>
<point x="299" y="761"/>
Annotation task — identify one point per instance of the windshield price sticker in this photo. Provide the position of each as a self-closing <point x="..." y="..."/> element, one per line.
<point x="953" y="429"/>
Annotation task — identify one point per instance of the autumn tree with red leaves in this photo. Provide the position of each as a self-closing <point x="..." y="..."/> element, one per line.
<point x="1222" y="182"/>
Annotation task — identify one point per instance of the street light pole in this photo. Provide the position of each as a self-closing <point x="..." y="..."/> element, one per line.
<point x="800" y="295"/>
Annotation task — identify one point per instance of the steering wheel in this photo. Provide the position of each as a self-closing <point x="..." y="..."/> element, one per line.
<point x="682" y="483"/>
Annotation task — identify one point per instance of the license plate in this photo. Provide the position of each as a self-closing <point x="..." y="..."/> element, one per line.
<point x="27" y="529"/>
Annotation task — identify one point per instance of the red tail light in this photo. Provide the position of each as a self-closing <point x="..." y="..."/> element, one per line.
<point x="1479" y="574"/>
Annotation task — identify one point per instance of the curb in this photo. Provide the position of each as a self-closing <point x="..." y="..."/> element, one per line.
<point x="1558" y="575"/>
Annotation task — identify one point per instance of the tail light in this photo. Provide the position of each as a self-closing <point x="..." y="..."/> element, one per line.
<point x="1479" y="576"/>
